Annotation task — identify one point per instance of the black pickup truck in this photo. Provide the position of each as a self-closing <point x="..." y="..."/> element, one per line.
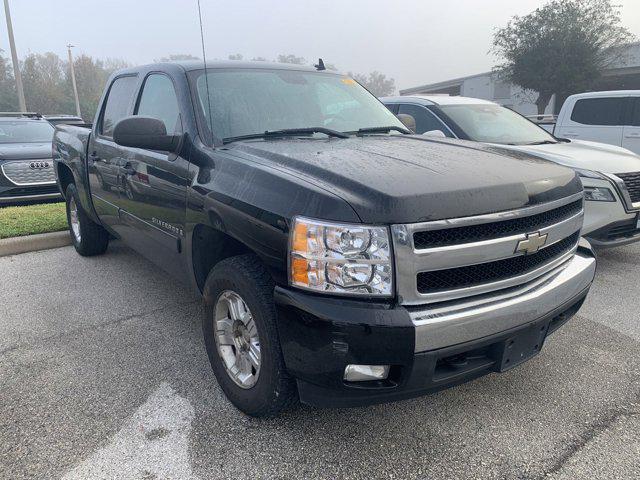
<point x="342" y="260"/>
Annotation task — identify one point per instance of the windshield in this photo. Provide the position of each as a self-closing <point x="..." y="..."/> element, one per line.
<point x="495" y="124"/>
<point x="26" y="132"/>
<point x="246" y="101"/>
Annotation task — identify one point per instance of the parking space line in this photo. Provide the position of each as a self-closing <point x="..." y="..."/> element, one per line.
<point x="154" y="443"/>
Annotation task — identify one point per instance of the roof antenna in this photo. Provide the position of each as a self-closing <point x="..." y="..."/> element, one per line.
<point x="320" y="65"/>
<point x="206" y="77"/>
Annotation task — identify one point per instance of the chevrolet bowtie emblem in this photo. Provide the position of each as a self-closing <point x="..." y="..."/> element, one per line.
<point x="532" y="243"/>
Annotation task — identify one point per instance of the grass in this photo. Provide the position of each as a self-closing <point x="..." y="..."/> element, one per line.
<point x="31" y="219"/>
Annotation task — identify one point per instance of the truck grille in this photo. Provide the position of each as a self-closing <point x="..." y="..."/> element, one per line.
<point x="632" y="182"/>
<point x="490" y="272"/>
<point x="29" y="172"/>
<point x="485" y="231"/>
<point x="445" y="260"/>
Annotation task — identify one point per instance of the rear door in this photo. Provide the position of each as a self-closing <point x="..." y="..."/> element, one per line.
<point x="598" y="119"/>
<point x="631" y="133"/>
<point x="104" y="162"/>
<point x="154" y="183"/>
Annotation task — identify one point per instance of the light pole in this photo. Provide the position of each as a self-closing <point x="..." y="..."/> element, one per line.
<point x="73" y="80"/>
<point x="14" y="59"/>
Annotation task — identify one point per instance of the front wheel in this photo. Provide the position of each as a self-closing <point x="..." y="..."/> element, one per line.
<point x="88" y="237"/>
<point x="241" y="338"/>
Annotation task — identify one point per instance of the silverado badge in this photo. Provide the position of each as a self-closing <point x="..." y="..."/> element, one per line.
<point x="532" y="243"/>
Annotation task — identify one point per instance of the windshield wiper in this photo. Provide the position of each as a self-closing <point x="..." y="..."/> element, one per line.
<point x="288" y="132"/>
<point x="543" y="142"/>
<point x="364" y="131"/>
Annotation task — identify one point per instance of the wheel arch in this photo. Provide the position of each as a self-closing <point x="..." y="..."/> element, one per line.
<point x="209" y="246"/>
<point x="65" y="177"/>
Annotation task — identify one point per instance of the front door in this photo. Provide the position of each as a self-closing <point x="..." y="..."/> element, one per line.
<point x="631" y="133"/>
<point x="154" y="184"/>
<point x="104" y="160"/>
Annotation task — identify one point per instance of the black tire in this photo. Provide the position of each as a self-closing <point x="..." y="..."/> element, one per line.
<point x="93" y="238"/>
<point x="274" y="390"/>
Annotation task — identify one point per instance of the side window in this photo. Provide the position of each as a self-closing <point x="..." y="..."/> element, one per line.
<point x="158" y="100"/>
<point x="599" y="111"/>
<point x="635" y="121"/>
<point x="118" y="101"/>
<point x="393" y="107"/>
<point x="425" y="120"/>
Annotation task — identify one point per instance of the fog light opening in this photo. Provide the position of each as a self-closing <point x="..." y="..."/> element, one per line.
<point x="365" y="373"/>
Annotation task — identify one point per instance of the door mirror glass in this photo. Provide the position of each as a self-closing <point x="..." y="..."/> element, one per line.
<point x="144" y="132"/>
<point x="435" y="133"/>
<point x="408" y="121"/>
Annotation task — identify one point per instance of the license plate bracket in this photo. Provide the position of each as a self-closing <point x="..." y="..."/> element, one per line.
<point x="522" y="346"/>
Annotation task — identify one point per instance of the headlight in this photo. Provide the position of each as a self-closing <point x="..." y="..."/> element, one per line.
<point x="340" y="258"/>
<point x="598" y="194"/>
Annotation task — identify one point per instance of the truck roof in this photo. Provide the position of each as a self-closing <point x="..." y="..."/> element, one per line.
<point x="189" y="65"/>
<point x="436" y="100"/>
<point x="607" y="93"/>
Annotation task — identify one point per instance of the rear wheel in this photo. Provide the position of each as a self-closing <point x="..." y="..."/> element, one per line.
<point x="88" y="237"/>
<point x="241" y="338"/>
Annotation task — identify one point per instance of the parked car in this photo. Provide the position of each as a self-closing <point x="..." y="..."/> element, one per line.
<point x="64" y="119"/>
<point x="606" y="117"/>
<point x="26" y="168"/>
<point x="611" y="175"/>
<point x="341" y="259"/>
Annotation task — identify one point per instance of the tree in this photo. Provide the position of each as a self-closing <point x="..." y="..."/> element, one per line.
<point x="177" y="57"/>
<point x="44" y="83"/>
<point x="562" y="47"/>
<point x="236" y="56"/>
<point x="376" y="82"/>
<point x="291" y="59"/>
<point x="8" y="94"/>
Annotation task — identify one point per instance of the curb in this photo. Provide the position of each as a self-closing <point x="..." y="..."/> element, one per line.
<point x="32" y="243"/>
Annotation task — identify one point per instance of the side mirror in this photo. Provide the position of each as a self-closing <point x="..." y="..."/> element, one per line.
<point x="435" y="133"/>
<point x="408" y="121"/>
<point x="144" y="132"/>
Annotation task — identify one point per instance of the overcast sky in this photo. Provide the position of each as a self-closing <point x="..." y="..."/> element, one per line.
<point x="414" y="41"/>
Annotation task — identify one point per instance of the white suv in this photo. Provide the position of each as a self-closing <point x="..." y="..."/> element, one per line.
<point x="610" y="174"/>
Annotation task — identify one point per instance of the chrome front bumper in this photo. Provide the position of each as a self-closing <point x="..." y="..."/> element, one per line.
<point x="450" y="323"/>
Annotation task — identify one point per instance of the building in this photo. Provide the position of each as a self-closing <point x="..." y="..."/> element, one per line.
<point x="622" y="75"/>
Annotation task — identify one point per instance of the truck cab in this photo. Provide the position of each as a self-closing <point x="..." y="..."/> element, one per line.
<point x="341" y="259"/>
<point x="607" y="117"/>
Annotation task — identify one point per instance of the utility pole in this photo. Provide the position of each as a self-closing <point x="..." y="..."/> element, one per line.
<point x="73" y="80"/>
<point x="14" y="59"/>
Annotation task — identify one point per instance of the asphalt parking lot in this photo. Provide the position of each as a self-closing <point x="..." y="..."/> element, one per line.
<point x="103" y="374"/>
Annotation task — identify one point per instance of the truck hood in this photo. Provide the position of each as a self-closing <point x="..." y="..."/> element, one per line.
<point x="599" y="157"/>
<point x="24" y="151"/>
<point x="405" y="179"/>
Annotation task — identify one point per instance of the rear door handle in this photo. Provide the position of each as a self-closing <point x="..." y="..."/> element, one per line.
<point x="632" y="135"/>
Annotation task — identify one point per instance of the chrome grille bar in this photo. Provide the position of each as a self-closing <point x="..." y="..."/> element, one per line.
<point x="411" y="261"/>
